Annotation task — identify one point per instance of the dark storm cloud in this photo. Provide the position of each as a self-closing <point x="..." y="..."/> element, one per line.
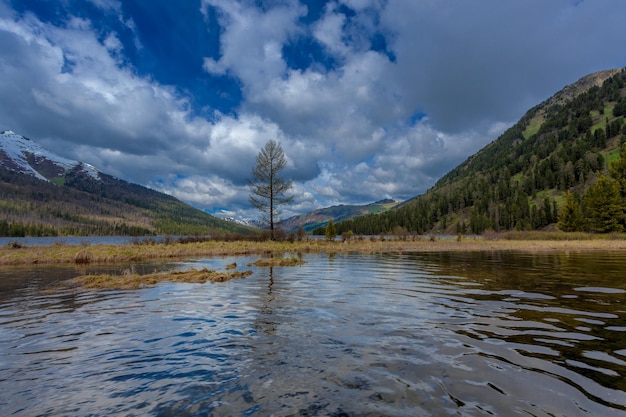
<point x="467" y="62"/>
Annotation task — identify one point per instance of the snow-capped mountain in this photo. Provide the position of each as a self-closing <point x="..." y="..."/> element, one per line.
<point x="75" y="198"/>
<point x="22" y="155"/>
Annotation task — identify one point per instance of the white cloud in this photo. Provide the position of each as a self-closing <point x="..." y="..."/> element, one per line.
<point x="252" y="40"/>
<point x="113" y="5"/>
<point x="329" y="32"/>
<point x="113" y="44"/>
<point x="204" y="191"/>
<point x="88" y="98"/>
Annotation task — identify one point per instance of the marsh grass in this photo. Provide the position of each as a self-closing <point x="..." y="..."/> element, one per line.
<point x="95" y="254"/>
<point x="291" y="261"/>
<point x="131" y="280"/>
<point x="82" y="257"/>
<point x="570" y="236"/>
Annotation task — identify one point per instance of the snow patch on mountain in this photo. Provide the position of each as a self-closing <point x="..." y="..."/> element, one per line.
<point x="242" y="222"/>
<point x="16" y="151"/>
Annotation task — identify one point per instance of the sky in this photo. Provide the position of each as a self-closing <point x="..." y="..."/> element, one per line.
<point x="369" y="99"/>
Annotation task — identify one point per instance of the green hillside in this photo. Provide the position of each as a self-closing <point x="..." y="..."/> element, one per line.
<point x="79" y="205"/>
<point x="521" y="180"/>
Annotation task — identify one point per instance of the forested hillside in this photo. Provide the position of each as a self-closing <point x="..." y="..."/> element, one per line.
<point x="79" y="205"/>
<point x="558" y="166"/>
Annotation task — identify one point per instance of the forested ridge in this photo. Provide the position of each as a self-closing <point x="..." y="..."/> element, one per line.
<point x="562" y="157"/>
<point x="79" y="205"/>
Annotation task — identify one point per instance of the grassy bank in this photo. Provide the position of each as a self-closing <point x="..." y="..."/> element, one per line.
<point x="65" y="254"/>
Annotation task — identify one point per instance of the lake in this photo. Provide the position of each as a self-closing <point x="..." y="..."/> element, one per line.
<point x="471" y="334"/>
<point x="80" y="240"/>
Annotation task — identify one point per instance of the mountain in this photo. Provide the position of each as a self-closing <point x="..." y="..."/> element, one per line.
<point x="22" y="155"/>
<point x="45" y="194"/>
<point x="552" y="157"/>
<point x="319" y="218"/>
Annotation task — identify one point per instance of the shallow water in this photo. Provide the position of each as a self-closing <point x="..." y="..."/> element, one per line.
<point x="354" y="335"/>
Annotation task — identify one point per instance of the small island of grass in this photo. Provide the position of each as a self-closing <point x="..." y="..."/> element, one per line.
<point x="131" y="280"/>
<point x="136" y="281"/>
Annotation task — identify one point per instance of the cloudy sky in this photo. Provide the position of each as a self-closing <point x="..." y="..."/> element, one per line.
<point x="370" y="99"/>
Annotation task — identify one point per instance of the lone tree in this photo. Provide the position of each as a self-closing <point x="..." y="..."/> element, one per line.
<point x="268" y="188"/>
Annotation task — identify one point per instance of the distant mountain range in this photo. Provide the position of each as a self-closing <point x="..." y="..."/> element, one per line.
<point x="42" y="193"/>
<point x="319" y="218"/>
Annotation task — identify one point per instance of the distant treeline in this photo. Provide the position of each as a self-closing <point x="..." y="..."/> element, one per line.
<point x="22" y="230"/>
<point x="39" y="230"/>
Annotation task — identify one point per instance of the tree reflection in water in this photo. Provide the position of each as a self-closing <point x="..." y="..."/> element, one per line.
<point x="266" y="321"/>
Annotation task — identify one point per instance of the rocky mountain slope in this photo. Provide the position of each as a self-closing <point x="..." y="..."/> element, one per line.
<point x="23" y="155"/>
<point x="319" y="218"/>
<point x="42" y="193"/>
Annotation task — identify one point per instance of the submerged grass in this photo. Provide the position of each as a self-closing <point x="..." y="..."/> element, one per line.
<point x="135" y="281"/>
<point x="533" y="241"/>
<point x="292" y="261"/>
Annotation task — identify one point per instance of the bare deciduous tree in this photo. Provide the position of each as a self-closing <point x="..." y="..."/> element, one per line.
<point x="268" y="187"/>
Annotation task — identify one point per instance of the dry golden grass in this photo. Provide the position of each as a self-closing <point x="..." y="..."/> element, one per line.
<point x="66" y="254"/>
<point x="135" y="281"/>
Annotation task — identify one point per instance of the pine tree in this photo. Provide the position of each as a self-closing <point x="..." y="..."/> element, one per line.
<point x="331" y="230"/>
<point x="617" y="170"/>
<point x="571" y="216"/>
<point x="604" y="207"/>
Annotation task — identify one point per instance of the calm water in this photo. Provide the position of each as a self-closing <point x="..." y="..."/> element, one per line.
<point x="79" y="240"/>
<point x="389" y="335"/>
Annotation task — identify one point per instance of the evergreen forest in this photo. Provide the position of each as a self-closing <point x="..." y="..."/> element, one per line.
<point x="563" y="165"/>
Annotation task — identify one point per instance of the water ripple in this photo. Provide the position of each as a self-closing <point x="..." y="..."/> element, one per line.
<point x="393" y="335"/>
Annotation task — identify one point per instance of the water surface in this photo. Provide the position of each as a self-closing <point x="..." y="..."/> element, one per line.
<point x="344" y="335"/>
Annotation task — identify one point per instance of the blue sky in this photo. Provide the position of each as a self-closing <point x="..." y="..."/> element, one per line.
<point x="370" y="99"/>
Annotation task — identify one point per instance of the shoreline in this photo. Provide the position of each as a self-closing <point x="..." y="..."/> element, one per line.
<point x="125" y="253"/>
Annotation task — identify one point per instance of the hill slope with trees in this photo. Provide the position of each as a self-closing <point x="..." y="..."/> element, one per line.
<point x="42" y="194"/>
<point x="562" y="156"/>
<point x="82" y="206"/>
